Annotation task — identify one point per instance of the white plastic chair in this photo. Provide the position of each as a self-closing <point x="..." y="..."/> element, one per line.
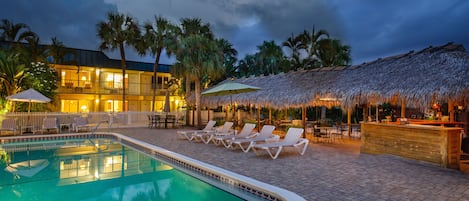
<point x="206" y="137"/>
<point x="49" y="123"/>
<point x="265" y="134"/>
<point x="8" y="125"/>
<point x="292" y="139"/>
<point x="189" y="134"/>
<point x="246" y="132"/>
<point x="80" y="123"/>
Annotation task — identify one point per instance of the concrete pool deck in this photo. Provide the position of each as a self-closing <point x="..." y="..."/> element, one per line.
<point x="326" y="171"/>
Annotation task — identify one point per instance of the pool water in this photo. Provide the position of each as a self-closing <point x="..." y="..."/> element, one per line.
<point x="98" y="169"/>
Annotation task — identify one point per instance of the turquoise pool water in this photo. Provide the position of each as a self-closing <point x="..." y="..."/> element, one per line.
<point x="92" y="170"/>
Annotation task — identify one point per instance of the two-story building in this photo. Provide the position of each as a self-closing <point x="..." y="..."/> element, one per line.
<point x="94" y="83"/>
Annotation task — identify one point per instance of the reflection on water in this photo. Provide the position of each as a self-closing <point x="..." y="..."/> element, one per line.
<point x="94" y="170"/>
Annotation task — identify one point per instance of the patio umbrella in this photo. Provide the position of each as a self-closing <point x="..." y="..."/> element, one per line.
<point x="230" y="88"/>
<point x="30" y="96"/>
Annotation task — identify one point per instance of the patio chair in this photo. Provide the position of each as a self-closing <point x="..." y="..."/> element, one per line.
<point x="48" y="124"/>
<point x="8" y="125"/>
<point x="80" y="123"/>
<point x="292" y="139"/>
<point x="246" y="132"/>
<point x="206" y="137"/>
<point x="170" y="119"/>
<point x="266" y="134"/>
<point x="151" y="121"/>
<point x="188" y="134"/>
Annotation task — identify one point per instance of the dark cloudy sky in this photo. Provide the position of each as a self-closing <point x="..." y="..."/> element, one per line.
<point x="372" y="28"/>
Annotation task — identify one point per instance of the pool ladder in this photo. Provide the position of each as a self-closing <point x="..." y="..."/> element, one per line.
<point x="93" y="131"/>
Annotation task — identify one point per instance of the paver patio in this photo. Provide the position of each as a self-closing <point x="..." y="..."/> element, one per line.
<point x="326" y="171"/>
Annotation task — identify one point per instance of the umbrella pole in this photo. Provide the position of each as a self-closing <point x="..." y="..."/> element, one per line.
<point x="29" y="114"/>
<point x="258" y="118"/>
<point x="232" y="108"/>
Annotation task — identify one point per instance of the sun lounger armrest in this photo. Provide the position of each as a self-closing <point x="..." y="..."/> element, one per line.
<point x="301" y="142"/>
<point x="304" y="142"/>
<point x="254" y="134"/>
<point x="223" y="134"/>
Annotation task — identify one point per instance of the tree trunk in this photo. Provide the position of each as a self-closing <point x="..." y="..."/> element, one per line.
<point x="124" y="67"/>
<point x="197" y="104"/>
<point x="155" y="79"/>
<point x="188" y="93"/>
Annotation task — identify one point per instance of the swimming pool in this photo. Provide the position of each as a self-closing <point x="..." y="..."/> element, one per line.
<point x="108" y="166"/>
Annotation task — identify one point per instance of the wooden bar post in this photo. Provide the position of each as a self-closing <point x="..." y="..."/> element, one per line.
<point x="377" y="113"/>
<point x="403" y="108"/>
<point x="270" y="115"/>
<point x="349" y="120"/>
<point x="303" y="118"/>
<point x="258" y="119"/>
<point x="451" y="110"/>
<point x="250" y="111"/>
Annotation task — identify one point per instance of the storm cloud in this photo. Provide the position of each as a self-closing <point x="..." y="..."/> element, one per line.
<point x="373" y="29"/>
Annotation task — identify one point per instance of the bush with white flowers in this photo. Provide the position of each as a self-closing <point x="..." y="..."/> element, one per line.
<point x="44" y="78"/>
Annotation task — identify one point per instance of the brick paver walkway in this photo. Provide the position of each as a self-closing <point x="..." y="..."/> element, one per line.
<point x="326" y="171"/>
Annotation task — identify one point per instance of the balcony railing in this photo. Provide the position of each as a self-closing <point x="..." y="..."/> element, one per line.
<point x="85" y="87"/>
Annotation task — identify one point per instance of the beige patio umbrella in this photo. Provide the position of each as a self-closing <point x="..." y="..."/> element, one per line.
<point x="230" y="88"/>
<point x="30" y="96"/>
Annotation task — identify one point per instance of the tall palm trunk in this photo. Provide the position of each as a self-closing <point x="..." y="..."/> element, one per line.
<point x="124" y="67"/>
<point x="155" y="79"/>
<point x="188" y="93"/>
<point x="197" y="104"/>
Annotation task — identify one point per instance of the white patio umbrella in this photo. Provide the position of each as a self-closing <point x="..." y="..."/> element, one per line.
<point x="30" y="96"/>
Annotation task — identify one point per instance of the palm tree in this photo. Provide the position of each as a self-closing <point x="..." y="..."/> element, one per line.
<point x="189" y="27"/>
<point x="198" y="57"/>
<point x="311" y="43"/>
<point x="333" y="53"/>
<point x="295" y="44"/>
<point x="270" y="54"/>
<point x="15" y="32"/>
<point x="158" y="36"/>
<point x="119" y="30"/>
<point x="12" y="73"/>
<point x="229" y="57"/>
<point x="32" y="51"/>
<point x="201" y="57"/>
<point x="58" y="51"/>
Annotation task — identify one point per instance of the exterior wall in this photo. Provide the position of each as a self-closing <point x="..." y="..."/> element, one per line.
<point x="99" y="89"/>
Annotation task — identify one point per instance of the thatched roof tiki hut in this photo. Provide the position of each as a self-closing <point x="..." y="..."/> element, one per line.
<point x="416" y="78"/>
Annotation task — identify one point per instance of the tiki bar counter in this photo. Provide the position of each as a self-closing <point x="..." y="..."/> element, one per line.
<point x="434" y="144"/>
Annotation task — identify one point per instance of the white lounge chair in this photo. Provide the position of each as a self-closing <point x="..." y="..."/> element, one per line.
<point x="206" y="137"/>
<point x="247" y="143"/>
<point x="189" y="134"/>
<point x="49" y="123"/>
<point x="80" y="123"/>
<point x="8" y="125"/>
<point x="246" y="132"/>
<point x="292" y="139"/>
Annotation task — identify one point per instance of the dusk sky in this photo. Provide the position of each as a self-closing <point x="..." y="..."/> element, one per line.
<point x="373" y="29"/>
